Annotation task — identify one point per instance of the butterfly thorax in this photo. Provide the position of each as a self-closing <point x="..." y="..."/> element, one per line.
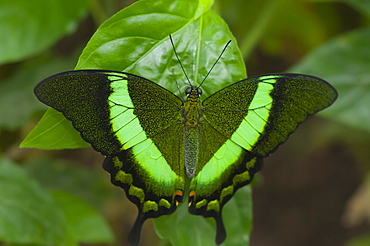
<point x="191" y="115"/>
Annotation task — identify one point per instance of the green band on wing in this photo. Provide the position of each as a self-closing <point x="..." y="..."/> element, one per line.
<point x="130" y="133"/>
<point x="250" y="129"/>
<point x="228" y="153"/>
<point x="124" y="122"/>
<point x="150" y="159"/>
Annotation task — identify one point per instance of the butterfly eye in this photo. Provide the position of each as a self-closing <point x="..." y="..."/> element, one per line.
<point x="188" y="91"/>
<point x="199" y="91"/>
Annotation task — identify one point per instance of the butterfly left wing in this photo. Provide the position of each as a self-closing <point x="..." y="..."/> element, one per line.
<point x="136" y="124"/>
<point x="243" y="123"/>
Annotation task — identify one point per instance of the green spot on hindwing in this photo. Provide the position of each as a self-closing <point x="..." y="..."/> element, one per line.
<point x="137" y="192"/>
<point x="228" y="191"/>
<point x="150" y="206"/>
<point x="214" y="205"/>
<point x="250" y="164"/>
<point x="123" y="177"/>
<point x="117" y="162"/>
<point x="240" y="178"/>
<point x="164" y="203"/>
<point x="201" y="203"/>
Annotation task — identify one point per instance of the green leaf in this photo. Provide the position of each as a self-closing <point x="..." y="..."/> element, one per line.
<point x="84" y="182"/>
<point x="275" y="26"/>
<point x="28" y="214"/>
<point x="361" y="5"/>
<point x="53" y="132"/>
<point x="363" y="240"/>
<point x="15" y="112"/>
<point x="29" y="27"/>
<point x="199" y="231"/>
<point x="83" y="223"/>
<point x="136" y="40"/>
<point x="344" y="62"/>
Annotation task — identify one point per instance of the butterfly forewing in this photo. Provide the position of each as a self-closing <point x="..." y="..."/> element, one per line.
<point x="260" y="112"/>
<point x="82" y="97"/>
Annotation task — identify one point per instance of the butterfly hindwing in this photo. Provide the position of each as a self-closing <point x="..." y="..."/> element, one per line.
<point x="248" y="120"/>
<point x="223" y="168"/>
<point x="136" y="124"/>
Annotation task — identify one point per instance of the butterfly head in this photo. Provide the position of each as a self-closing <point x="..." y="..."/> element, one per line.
<point x="193" y="91"/>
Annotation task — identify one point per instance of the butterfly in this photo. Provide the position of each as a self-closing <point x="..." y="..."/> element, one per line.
<point x="154" y="141"/>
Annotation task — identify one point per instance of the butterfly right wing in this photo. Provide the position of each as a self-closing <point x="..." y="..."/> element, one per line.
<point x="136" y="124"/>
<point x="243" y="123"/>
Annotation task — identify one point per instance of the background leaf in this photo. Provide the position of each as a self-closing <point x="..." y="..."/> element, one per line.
<point x="199" y="231"/>
<point x="83" y="223"/>
<point x="199" y="39"/>
<point x="199" y="36"/>
<point x="28" y="214"/>
<point x="14" y="112"/>
<point x="344" y="62"/>
<point x="361" y="5"/>
<point x="28" y="27"/>
<point x="84" y="182"/>
<point x="53" y="131"/>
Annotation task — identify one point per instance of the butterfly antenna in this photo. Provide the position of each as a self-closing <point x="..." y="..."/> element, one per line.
<point x="177" y="56"/>
<point x="178" y="86"/>
<point x="214" y="64"/>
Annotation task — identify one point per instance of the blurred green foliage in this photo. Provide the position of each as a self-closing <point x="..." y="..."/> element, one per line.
<point x="57" y="197"/>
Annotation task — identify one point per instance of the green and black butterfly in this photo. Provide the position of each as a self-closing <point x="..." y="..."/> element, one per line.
<point x="154" y="141"/>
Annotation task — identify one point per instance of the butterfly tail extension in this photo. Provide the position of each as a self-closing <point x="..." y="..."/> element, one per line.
<point x="134" y="235"/>
<point x="220" y="229"/>
<point x="207" y="198"/>
<point x="214" y="211"/>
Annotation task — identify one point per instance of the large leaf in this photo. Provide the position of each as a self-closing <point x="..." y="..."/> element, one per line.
<point x="85" y="182"/>
<point x="84" y="224"/>
<point x="28" y="27"/>
<point x="274" y="25"/>
<point x="28" y="214"/>
<point x="361" y="5"/>
<point x="345" y="63"/>
<point x="197" y="231"/>
<point x="136" y="40"/>
<point x="53" y="131"/>
<point x="17" y="101"/>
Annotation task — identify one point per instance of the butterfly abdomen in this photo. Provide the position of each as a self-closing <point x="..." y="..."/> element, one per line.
<point x="191" y="117"/>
